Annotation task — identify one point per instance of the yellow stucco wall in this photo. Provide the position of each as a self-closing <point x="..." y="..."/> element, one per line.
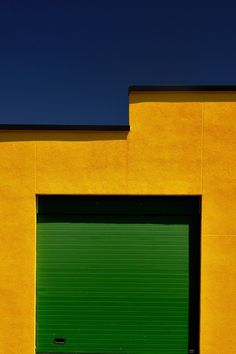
<point x="180" y="143"/>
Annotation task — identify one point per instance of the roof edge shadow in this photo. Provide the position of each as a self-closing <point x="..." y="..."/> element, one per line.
<point x="137" y="88"/>
<point x="79" y="127"/>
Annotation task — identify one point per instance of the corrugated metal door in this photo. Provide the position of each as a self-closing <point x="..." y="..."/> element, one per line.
<point x="112" y="284"/>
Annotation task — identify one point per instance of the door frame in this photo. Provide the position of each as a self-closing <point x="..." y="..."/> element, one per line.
<point x="144" y="204"/>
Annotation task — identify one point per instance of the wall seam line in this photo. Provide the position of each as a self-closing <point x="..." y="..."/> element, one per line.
<point x="201" y="231"/>
<point x="35" y="168"/>
<point x="35" y="235"/>
<point x="202" y="142"/>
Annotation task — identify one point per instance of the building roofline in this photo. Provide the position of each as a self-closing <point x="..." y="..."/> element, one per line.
<point x="132" y="88"/>
<point x="64" y="127"/>
<point x="137" y="88"/>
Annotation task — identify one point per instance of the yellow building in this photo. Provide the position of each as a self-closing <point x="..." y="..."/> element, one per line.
<point x="181" y="142"/>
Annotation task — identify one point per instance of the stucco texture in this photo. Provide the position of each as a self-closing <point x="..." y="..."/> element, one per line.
<point x="180" y="143"/>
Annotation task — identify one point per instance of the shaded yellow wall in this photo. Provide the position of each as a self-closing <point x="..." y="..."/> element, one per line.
<point x="179" y="143"/>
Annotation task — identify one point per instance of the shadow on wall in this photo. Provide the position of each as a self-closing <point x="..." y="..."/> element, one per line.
<point x="186" y="96"/>
<point x="54" y="135"/>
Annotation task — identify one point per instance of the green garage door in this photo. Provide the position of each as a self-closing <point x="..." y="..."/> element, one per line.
<point x="113" y="283"/>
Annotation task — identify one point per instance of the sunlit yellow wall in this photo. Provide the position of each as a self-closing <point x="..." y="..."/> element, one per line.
<point x="179" y="143"/>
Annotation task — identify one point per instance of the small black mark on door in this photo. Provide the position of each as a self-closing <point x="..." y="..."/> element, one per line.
<point x="59" y="341"/>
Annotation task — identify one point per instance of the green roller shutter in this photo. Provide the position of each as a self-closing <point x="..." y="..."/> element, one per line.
<point x="113" y="284"/>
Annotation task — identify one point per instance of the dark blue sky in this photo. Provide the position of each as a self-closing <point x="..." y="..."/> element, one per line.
<point x="65" y="61"/>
